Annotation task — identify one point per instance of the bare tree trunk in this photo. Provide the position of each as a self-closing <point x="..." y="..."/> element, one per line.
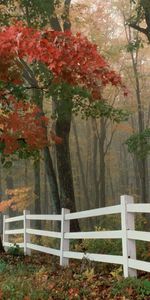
<point x="102" y="162"/>
<point x="52" y="181"/>
<point x="10" y="186"/>
<point x="67" y="197"/>
<point x="94" y="165"/>
<point x="37" y="191"/>
<point x="142" y="162"/>
<point x="45" y="201"/>
<point x="85" y="190"/>
<point x="25" y="172"/>
<point x="111" y="185"/>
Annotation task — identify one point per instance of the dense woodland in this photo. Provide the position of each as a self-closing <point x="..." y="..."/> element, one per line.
<point x="94" y="155"/>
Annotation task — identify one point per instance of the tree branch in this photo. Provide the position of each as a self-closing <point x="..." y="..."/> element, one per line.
<point x="141" y="29"/>
<point x="65" y="15"/>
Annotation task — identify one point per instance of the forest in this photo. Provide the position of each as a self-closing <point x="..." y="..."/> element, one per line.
<point x="74" y="119"/>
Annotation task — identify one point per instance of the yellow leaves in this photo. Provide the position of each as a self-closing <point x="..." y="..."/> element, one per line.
<point x="3" y="8"/>
<point x="21" y="198"/>
<point x="89" y="274"/>
<point x="116" y="274"/>
<point x="41" y="276"/>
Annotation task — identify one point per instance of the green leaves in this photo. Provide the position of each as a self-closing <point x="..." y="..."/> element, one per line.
<point x="139" y="143"/>
<point x="129" y="286"/>
<point x="134" y="45"/>
<point x="99" y="109"/>
<point x="39" y="12"/>
<point x="78" y="100"/>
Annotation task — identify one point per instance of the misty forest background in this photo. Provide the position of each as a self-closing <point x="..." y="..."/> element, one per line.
<point x="104" y="165"/>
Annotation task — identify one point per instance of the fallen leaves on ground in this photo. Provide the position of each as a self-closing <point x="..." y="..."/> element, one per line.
<point x="40" y="277"/>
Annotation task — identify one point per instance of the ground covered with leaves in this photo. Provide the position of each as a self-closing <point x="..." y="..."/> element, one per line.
<point x="40" y="277"/>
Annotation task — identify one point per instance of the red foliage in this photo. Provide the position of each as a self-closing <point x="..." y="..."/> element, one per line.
<point x="23" y="122"/>
<point x="71" y="59"/>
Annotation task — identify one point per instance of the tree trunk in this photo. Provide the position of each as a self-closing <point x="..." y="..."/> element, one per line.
<point x="142" y="162"/>
<point x="84" y="186"/>
<point x="67" y="198"/>
<point x="10" y="186"/>
<point x="102" y="163"/>
<point x="1" y="246"/>
<point x="94" y="165"/>
<point x="52" y="181"/>
<point x="26" y="172"/>
<point x="37" y="191"/>
<point x="46" y="195"/>
<point x="112" y="192"/>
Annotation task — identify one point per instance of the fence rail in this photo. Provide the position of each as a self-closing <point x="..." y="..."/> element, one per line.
<point x="127" y="209"/>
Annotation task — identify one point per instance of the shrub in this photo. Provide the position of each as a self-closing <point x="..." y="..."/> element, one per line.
<point x="15" y="250"/>
<point x="128" y="286"/>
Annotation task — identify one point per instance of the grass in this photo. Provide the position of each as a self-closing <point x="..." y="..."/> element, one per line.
<point x="40" y="277"/>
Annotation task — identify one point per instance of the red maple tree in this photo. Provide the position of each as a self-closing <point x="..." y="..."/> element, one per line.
<point x="70" y="59"/>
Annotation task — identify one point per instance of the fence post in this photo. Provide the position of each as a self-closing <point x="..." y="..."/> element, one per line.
<point x="5" y="236"/>
<point x="65" y="227"/>
<point x="128" y="246"/>
<point x="26" y="225"/>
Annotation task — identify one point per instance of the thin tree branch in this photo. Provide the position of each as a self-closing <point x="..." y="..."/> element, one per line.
<point x="141" y="29"/>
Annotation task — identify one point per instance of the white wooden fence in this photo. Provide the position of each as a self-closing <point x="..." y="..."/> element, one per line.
<point x="128" y="234"/>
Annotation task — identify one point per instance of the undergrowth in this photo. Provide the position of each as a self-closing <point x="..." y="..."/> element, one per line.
<point x="40" y="277"/>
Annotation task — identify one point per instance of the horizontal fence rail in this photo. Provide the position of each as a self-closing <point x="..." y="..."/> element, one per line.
<point x="43" y="249"/>
<point x="138" y="208"/>
<point x="116" y="234"/>
<point x="44" y="217"/>
<point x="127" y="210"/>
<point x="47" y="233"/>
<point x="14" y="219"/>
<point x="94" y="212"/>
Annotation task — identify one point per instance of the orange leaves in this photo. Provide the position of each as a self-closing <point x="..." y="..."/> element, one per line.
<point x="5" y="204"/>
<point x="41" y="277"/>
<point x="21" y="198"/>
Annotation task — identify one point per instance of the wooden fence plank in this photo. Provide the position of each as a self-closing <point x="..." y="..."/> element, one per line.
<point x="94" y="212"/>
<point x="47" y="233"/>
<point x="116" y="234"/>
